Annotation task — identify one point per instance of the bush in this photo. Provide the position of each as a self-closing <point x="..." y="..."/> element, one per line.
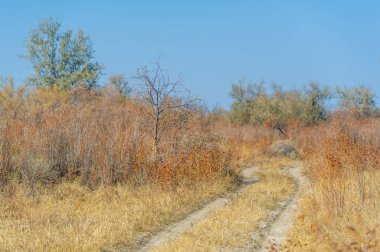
<point x="51" y="135"/>
<point x="254" y="104"/>
<point x="283" y="148"/>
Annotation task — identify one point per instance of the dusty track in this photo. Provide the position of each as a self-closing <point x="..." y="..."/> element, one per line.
<point x="272" y="231"/>
<point x="176" y="229"/>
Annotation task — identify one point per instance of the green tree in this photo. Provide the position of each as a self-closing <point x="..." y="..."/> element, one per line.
<point x="360" y="100"/>
<point x="255" y="105"/>
<point x="315" y="98"/>
<point x="245" y="98"/>
<point x="120" y="84"/>
<point x="61" y="59"/>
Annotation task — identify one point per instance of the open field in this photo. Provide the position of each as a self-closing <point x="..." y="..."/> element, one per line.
<point x="342" y="213"/>
<point x="70" y="217"/>
<point x="74" y="181"/>
<point x="147" y="158"/>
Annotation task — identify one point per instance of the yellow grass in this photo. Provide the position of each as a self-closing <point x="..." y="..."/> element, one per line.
<point x="72" y="218"/>
<point x="355" y="228"/>
<point x="342" y="212"/>
<point x="232" y="226"/>
<point x="273" y="163"/>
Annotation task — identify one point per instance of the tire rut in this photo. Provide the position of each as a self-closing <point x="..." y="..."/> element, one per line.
<point x="176" y="229"/>
<point x="272" y="231"/>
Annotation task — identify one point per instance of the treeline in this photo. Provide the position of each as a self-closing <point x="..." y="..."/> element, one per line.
<point x="275" y="107"/>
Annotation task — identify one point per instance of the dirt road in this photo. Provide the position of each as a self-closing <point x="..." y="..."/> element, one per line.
<point x="272" y="231"/>
<point x="275" y="228"/>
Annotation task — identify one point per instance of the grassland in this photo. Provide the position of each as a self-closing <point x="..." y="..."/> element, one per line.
<point x="232" y="226"/>
<point x="79" y="171"/>
<point x="70" y="217"/>
<point x="342" y="212"/>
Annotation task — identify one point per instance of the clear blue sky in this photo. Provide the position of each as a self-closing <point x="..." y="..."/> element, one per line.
<point x="213" y="43"/>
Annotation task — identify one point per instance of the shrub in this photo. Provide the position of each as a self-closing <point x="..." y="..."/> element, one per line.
<point x="283" y="148"/>
<point x="51" y="135"/>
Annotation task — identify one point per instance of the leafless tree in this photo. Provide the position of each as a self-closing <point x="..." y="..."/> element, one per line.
<point x="162" y="97"/>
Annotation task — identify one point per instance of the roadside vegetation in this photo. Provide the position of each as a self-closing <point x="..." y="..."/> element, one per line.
<point x="232" y="226"/>
<point x="341" y="213"/>
<point x="86" y="165"/>
<point x="70" y="217"/>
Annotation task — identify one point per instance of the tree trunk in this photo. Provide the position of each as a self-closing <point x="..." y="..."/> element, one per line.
<point x="156" y="134"/>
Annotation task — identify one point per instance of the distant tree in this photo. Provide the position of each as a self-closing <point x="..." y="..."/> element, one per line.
<point x="61" y="58"/>
<point x="254" y="104"/>
<point x="163" y="99"/>
<point x="315" y="99"/>
<point x="218" y="112"/>
<point x="244" y="96"/>
<point x="119" y="82"/>
<point x="282" y="106"/>
<point x="360" y="100"/>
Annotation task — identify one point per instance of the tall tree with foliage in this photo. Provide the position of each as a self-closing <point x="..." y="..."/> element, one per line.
<point x="245" y="98"/>
<point x="360" y="100"/>
<point x="315" y="98"/>
<point x="61" y="58"/>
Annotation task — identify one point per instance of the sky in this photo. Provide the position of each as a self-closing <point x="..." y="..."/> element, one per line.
<point x="213" y="44"/>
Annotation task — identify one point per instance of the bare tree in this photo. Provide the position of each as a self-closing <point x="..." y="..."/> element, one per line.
<point x="162" y="97"/>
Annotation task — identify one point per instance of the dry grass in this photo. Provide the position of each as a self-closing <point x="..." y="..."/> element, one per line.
<point x="343" y="211"/>
<point x="232" y="226"/>
<point x="357" y="228"/>
<point x="70" y="217"/>
<point x="273" y="163"/>
<point x="245" y="144"/>
<point x="79" y="171"/>
<point x="49" y="135"/>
